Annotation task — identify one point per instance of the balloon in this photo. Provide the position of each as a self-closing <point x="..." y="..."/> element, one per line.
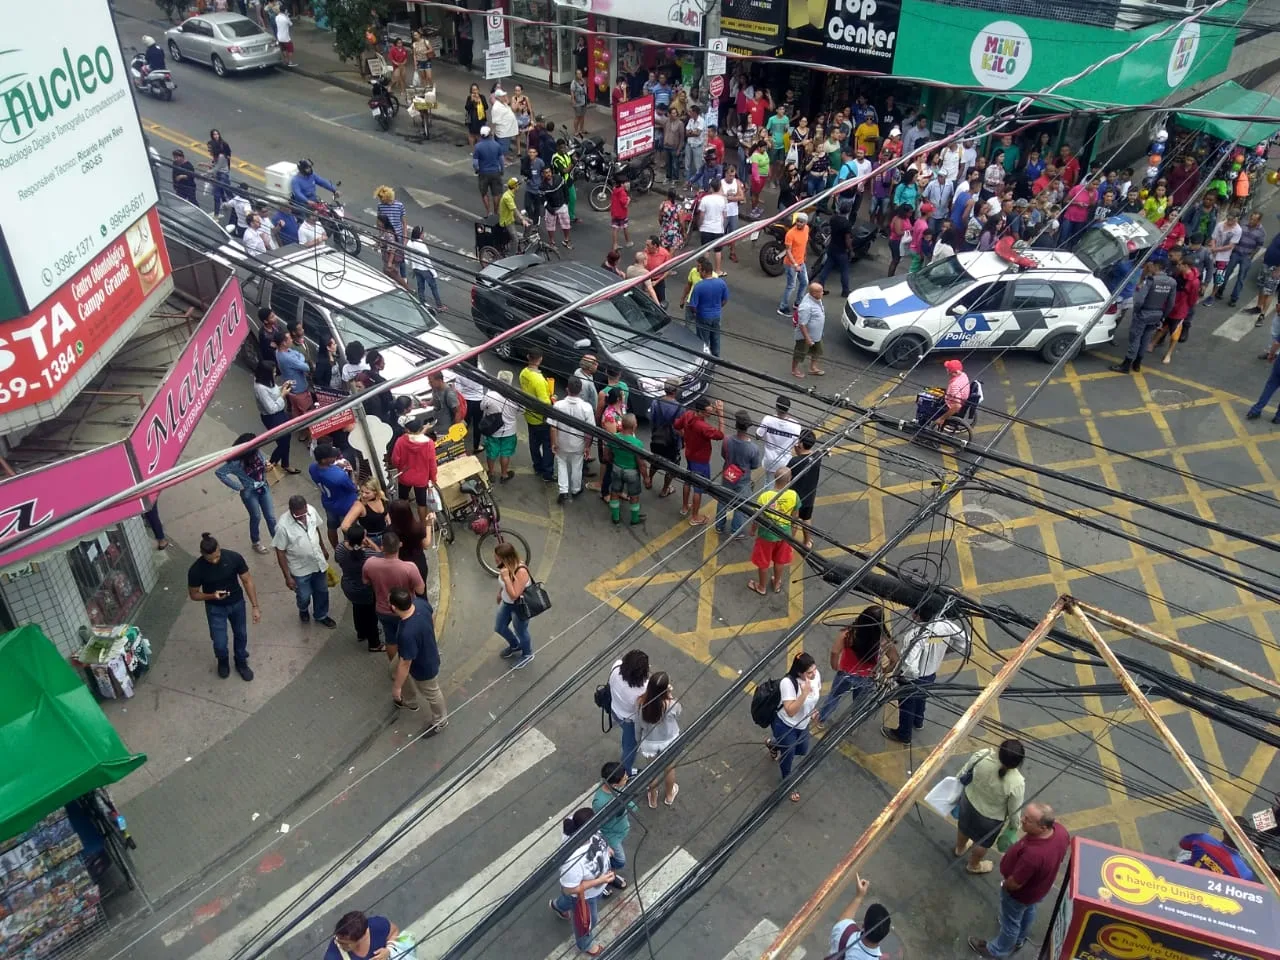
<point x="1235" y="166"/>
<point x="1273" y="177"/>
<point x="1154" y="159"/>
<point x="671" y="51"/>
<point x="599" y="79"/>
<point x="1260" y="149"/>
<point x="1238" y="158"/>
<point x="1162" y="136"/>
<point x="1152" y="171"/>
<point x="604" y="55"/>
<point x="1158" y="148"/>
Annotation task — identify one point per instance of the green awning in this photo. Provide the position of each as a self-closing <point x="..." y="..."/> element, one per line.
<point x="1232" y="98"/>
<point x="55" y="741"/>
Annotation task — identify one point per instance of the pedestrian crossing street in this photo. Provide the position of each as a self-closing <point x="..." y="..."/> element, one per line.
<point x="398" y="880"/>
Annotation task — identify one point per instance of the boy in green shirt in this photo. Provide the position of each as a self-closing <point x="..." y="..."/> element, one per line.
<point x="628" y="471"/>
<point x="613" y="778"/>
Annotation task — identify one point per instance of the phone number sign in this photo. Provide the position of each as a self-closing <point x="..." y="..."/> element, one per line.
<point x="634" y="120"/>
<point x="42" y="351"/>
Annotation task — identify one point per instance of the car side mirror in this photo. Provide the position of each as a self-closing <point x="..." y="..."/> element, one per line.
<point x="959" y="310"/>
<point x="582" y="344"/>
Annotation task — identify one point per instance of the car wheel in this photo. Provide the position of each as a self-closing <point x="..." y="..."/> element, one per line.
<point x="1057" y="347"/>
<point x="219" y="67"/>
<point x="174" y="53"/>
<point x="905" y="350"/>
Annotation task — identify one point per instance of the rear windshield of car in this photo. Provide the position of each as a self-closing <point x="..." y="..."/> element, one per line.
<point x="394" y="310"/>
<point x="1099" y="249"/>
<point x="939" y="280"/>
<point x="241" y="28"/>
<point x="627" y="316"/>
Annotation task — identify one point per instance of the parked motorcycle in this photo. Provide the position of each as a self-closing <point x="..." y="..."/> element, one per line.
<point x="158" y="83"/>
<point x="590" y="159"/>
<point x="332" y="217"/>
<point x="383" y="104"/>
<point x="772" y="249"/>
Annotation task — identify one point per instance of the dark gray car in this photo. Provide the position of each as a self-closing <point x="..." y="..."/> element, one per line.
<point x="628" y="330"/>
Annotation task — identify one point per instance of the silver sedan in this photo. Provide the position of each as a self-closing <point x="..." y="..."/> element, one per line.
<point x="227" y="42"/>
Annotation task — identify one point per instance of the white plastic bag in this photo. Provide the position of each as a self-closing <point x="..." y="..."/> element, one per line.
<point x="403" y="947"/>
<point x="944" y="795"/>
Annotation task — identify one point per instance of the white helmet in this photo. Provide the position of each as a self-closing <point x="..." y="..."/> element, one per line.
<point x="148" y="41"/>
<point x="1162" y="136"/>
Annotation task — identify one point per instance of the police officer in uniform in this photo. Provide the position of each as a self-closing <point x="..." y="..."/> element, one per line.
<point x="1151" y="302"/>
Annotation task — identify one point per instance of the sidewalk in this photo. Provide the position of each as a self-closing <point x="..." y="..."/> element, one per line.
<point x="228" y="760"/>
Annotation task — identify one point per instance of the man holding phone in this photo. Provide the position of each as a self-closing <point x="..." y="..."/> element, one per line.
<point x="220" y="579"/>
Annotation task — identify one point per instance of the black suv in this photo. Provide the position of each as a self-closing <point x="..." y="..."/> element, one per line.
<point x="628" y="330"/>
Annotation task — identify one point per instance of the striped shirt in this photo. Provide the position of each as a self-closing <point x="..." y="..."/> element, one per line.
<point x="394" y="212"/>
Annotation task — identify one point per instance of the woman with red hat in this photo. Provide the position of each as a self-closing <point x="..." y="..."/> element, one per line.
<point x="957" y="392"/>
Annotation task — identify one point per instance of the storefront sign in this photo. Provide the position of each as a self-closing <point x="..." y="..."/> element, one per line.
<point x="673" y="14"/>
<point x="1000" y="55"/>
<point x="716" y="87"/>
<point x="495" y="29"/>
<point x="497" y="63"/>
<point x="753" y="19"/>
<point x="159" y="437"/>
<point x="74" y="170"/>
<point x="1183" y="55"/>
<point x="343" y="420"/>
<point x="717" y="62"/>
<point x="856" y="34"/>
<point x="42" y="497"/>
<point x="42" y="350"/>
<point x="634" y="121"/>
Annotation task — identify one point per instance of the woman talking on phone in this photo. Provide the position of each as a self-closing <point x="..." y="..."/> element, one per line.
<point x="513" y="577"/>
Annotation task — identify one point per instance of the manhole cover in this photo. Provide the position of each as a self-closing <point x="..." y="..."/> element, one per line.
<point x="985" y="528"/>
<point x="1170" y="398"/>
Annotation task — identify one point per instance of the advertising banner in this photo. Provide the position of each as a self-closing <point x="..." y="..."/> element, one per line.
<point x="634" y="121"/>
<point x="174" y="411"/>
<point x="73" y="165"/>
<point x="497" y="63"/>
<point x="674" y="14"/>
<point x="855" y="34"/>
<point x="40" y="498"/>
<point x="343" y="420"/>
<point x="43" y="349"/>
<point x="753" y="20"/>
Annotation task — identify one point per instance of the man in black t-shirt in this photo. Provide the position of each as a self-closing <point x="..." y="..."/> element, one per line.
<point x="417" y="661"/>
<point x="806" y="467"/>
<point x="216" y="580"/>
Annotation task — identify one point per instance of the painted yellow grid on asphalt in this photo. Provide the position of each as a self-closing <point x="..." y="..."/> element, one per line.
<point x="1120" y="811"/>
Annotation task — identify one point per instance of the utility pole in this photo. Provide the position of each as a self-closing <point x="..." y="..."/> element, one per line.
<point x="716" y="66"/>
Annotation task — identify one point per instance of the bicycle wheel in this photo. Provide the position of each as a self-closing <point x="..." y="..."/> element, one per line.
<point x="488" y="506"/>
<point x="443" y="523"/>
<point x="550" y="252"/>
<point x="486" y="544"/>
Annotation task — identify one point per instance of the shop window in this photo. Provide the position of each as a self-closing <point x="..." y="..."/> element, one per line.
<point x="532" y="46"/>
<point x="106" y="577"/>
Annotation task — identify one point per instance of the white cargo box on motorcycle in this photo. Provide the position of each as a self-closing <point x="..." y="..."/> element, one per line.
<point x="280" y="178"/>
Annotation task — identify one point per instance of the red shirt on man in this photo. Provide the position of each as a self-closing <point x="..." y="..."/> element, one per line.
<point x="1070" y="171"/>
<point x="698" y="435"/>
<point x="1033" y="863"/>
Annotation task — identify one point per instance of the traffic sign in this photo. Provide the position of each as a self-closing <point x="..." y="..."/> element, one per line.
<point x="717" y="62"/>
<point x="717" y="86"/>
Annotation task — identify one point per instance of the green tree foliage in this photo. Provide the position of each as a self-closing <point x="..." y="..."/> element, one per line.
<point x="350" y="20"/>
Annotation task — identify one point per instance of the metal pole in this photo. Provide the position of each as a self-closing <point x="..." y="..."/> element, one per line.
<point x="910" y="792"/>
<point x="1243" y="844"/>
<point x="1226" y="668"/>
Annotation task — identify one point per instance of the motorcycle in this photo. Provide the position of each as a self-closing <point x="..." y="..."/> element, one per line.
<point x="383" y="104"/>
<point x="158" y="83"/>
<point x="772" y="249"/>
<point x="590" y="159"/>
<point x="332" y="217"/>
<point x="639" y="170"/>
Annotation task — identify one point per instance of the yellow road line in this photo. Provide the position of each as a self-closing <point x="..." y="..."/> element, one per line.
<point x="179" y="139"/>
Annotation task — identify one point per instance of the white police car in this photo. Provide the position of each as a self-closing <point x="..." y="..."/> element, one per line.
<point x="981" y="301"/>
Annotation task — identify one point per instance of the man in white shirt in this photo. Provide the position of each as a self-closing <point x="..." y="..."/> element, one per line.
<point x="252" y="239"/>
<point x="499" y="445"/>
<point x="569" y="444"/>
<point x="503" y="119"/>
<point x="712" y="217"/>
<point x="417" y="258"/>
<point x="780" y="433"/>
<point x="951" y="162"/>
<point x="310" y="232"/>
<point x="303" y="559"/>
<point x="921" y="652"/>
<point x="695" y="142"/>
<point x="968" y="155"/>
<point x="284" y="33"/>
<point x="849" y="942"/>
<point x="734" y="191"/>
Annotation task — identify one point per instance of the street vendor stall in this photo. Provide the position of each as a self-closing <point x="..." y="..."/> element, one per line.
<point x="1121" y="905"/>
<point x="62" y="842"/>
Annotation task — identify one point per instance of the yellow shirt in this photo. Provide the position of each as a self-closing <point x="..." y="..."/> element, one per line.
<point x="782" y="505"/>
<point x="866" y="136"/>
<point x="694" y="277"/>
<point x="534" y="384"/>
<point x="507" y="208"/>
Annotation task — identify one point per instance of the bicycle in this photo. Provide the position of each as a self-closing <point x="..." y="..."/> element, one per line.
<point x="471" y="501"/>
<point x="531" y="241"/>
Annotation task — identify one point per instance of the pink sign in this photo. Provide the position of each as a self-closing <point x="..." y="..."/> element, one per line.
<point x="165" y="428"/>
<point x="42" y="497"/>
<point x="634" y="120"/>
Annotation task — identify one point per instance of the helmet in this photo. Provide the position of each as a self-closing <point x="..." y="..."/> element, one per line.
<point x="148" y="41"/>
<point x="480" y="526"/>
<point x="304" y="167"/>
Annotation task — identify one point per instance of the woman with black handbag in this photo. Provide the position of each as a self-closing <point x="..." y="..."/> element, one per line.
<point x="513" y="579"/>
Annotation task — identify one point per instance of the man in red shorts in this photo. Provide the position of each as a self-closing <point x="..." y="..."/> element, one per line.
<point x="770" y="549"/>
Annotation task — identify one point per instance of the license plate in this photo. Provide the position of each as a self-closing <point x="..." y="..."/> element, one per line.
<point x="755" y="235"/>
<point x="375" y="111"/>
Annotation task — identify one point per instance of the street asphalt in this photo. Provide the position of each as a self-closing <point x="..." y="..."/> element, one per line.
<point x="1113" y="429"/>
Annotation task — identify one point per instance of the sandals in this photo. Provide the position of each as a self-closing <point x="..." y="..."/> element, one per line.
<point x="774" y="752"/>
<point x="697" y="521"/>
<point x="675" y="792"/>
<point x="795" y="797"/>
<point x="756" y="588"/>
<point x="380" y="648"/>
<point x="665" y="492"/>
<point x="653" y="800"/>
<point x="984" y="866"/>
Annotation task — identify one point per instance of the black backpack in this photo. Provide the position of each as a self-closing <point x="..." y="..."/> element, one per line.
<point x="661" y="419"/>
<point x="604" y="700"/>
<point x="765" y="702"/>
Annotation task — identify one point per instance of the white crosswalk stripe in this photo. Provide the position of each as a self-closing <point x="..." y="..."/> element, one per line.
<point x="523" y="755"/>
<point x="757" y="941"/>
<point x="1236" y="326"/>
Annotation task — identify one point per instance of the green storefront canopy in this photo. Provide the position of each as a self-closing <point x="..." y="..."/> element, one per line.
<point x="55" y="742"/>
<point x="1232" y="98"/>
